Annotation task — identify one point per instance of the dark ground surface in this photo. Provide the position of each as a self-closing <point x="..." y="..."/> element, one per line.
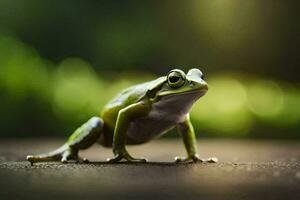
<point x="246" y="170"/>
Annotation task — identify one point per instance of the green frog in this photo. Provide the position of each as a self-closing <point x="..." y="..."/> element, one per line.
<point x="137" y="115"/>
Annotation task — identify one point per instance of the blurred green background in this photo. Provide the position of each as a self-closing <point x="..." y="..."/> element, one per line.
<point x="60" y="61"/>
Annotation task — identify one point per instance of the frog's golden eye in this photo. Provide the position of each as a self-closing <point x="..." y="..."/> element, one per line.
<point x="176" y="78"/>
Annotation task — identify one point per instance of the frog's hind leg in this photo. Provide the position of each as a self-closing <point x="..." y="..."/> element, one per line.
<point x="82" y="138"/>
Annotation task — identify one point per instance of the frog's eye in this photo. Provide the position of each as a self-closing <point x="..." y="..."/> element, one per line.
<point x="176" y="78"/>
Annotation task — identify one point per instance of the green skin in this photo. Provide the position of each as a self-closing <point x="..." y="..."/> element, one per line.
<point x="137" y="115"/>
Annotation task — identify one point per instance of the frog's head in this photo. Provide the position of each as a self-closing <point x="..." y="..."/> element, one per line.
<point x="179" y="83"/>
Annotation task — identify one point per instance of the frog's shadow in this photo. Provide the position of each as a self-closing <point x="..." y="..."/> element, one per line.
<point x="105" y="163"/>
<point x="149" y="163"/>
<point x="139" y="163"/>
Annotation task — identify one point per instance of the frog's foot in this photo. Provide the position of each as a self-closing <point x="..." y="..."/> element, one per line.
<point x="195" y="158"/>
<point x="55" y="155"/>
<point x="82" y="160"/>
<point x="125" y="156"/>
<point x="70" y="155"/>
<point x="41" y="158"/>
<point x="63" y="154"/>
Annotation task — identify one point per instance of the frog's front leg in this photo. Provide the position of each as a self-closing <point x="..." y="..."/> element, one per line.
<point x="126" y="116"/>
<point x="189" y="139"/>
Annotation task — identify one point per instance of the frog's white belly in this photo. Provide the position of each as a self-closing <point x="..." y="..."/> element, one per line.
<point x="164" y="115"/>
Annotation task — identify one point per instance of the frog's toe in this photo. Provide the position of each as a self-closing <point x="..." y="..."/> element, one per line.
<point x="64" y="160"/>
<point x="82" y="160"/>
<point x="127" y="158"/>
<point x="42" y="158"/>
<point x="195" y="158"/>
<point x="30" y="158"/>
<point x="70" y="155"/>
<point x="183" y="159"/>
<point x="115" y="159"/>
<point x="211" y="160"/>
<point x="138" y="160"/>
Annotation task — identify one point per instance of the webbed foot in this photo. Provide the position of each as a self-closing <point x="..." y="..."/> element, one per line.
<point x="195" y="158"/>
<point x="66" y="157"/>
<point x="125" y="156"/>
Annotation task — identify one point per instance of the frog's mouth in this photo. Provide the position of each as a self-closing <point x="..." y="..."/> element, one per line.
<point x="201" y="92"/>
<point x="196" y="93"/>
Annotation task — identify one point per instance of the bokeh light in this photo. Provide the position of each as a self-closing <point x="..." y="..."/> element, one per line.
<point x="61" y="63"/>
<point x="223" y="109"/>
<point x="265" y="99"/>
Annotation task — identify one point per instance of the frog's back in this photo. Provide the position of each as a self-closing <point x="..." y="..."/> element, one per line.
<point x="126" y="97"/>
<point x="130" y="95"/>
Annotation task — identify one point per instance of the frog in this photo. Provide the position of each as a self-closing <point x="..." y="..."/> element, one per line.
<point x="138" y="115"/>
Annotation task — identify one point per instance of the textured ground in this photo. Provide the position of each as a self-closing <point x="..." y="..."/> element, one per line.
<point x="246" y="170"/>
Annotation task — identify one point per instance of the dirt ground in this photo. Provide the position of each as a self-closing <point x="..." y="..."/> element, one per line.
<point x="247" y="169"/>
